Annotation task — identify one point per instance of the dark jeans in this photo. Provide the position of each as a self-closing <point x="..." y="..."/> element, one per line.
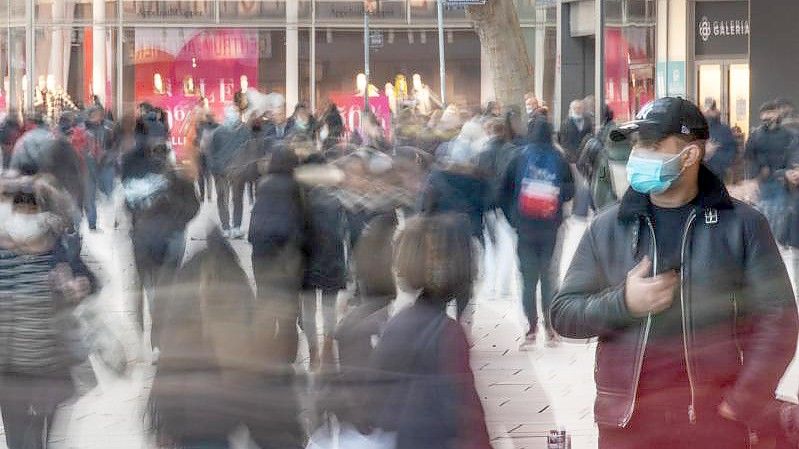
<point x="535" y="264"/>
<point x="224" y="189"/>
<point x="90" y="192"/>
<point x="28" y="405"/>
<point x="661" y="422"/>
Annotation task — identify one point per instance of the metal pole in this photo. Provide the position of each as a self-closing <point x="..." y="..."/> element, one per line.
<point x="442" y="65"/>
<point x="312" y="56"/>
<point x="599" y="57"/>
<point x="30" y="47"/>
<point x="366" y="58"/>
<point x="120" y="61"/>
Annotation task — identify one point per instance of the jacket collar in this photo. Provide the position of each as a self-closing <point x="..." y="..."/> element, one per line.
<point x="712" y="195"/>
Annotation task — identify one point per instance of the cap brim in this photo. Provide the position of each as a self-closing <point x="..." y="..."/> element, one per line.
<point x="625" y="130"/>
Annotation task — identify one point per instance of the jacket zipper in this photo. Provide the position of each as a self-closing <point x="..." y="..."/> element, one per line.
<point x="645" y="336"/>
<point x="685" y="324"/>
<point x="735" y="330"/>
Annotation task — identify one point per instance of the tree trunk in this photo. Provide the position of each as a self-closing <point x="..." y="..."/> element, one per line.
<point x="501" y="36"/>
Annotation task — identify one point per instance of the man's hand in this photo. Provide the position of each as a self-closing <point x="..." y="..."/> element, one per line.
<point x="74" y="289"/>
<point x="645" y="295"/>
<point x="725" y="411"/>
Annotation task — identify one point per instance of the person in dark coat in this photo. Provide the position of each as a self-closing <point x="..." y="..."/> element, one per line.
<point x="277" y="232"/>
<point x="766" y="157"/>
<point x="161" y="202"/>
<point x="539" y="166"/>
<point x="217" y="369"/>
<point x="422" y="358"/>
<point x="686" y="291"/>
<point x="10" y="130"/>
<point x="325" y="268"/>
<point x="227" y="141"/>
<point x="42" y="279"/>
<point x="574" y="129"/>
<point x="302" y="122"/>
<point x="722" y="148"/>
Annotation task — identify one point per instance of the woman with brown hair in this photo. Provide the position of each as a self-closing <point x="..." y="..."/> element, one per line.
<point x="423" y="356"/>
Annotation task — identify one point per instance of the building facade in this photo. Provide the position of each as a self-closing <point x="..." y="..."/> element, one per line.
<point x="56" y="53"/>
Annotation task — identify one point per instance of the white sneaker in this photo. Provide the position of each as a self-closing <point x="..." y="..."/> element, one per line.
<point x="226" y="233"/>
<point x="237" y="233"/>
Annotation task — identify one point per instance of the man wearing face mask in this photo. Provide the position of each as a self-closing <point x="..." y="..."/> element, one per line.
<point x="687" y="293"/>
<point x="573" y="130"/>
<point x="766" y="157"/>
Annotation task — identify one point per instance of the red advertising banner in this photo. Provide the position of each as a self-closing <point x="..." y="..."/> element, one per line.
<point x="175" y="68"/>
<point x="351" y="108"/>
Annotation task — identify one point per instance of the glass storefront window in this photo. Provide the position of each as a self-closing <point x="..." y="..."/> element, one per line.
<point x="405" y="53"/>
<point x="427" y="10"/>
<point x="252" y="10"/>
<point x="73" y="11"/>
<point x="73" y="66"/>
<point x="177" y="68"/>
<point x="12" y="68"/>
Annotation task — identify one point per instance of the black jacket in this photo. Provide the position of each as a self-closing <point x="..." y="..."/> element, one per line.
<point x="570" y="137"/>
<point x="768" y="150"/>
<point x="326" y="221"/>
<point x="735" y="294"/>
<point x="727" y="149"/>
<point x="449" y="191"/>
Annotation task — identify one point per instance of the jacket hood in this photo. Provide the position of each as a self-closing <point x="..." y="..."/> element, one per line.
<point x="540" y="131"/>
<point x="712" y="195"/>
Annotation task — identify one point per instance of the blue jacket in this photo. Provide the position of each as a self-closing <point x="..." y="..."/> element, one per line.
<point x="455" y="192"/>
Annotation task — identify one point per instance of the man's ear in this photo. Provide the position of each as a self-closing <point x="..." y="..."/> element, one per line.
<point x="694" y="155"/>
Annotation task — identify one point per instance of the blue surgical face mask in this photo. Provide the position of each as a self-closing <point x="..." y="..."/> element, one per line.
<point x="650" y="172"/>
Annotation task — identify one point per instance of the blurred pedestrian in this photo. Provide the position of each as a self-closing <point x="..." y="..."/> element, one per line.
<point x="277" y="232"/>
<point x="422" y="358"/>
<point x="537" y="183"/>
<point x="687" y="293"/>
<point x="99" y="161"/>
<point x="721" y="149"/>
<point x="228" y="140"/>
<point x="10" y="131"/>
<point x="216" y="370"/>
<point x="161" y="202"/>
<point x="573" y="130"/>
<point x="301" y="122"/>
<point x="42" y="279"/>
<point x="766" y="156"/>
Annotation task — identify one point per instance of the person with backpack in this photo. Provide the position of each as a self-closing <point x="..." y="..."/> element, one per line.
<point x="537" y="184"/>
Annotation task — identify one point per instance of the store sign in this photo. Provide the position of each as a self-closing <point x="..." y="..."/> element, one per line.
<point x="161" y="9"/>
<point x="464" y="2"/>
<point x="375" y="39"/>
<point x="326" y="10"/>
<point x="722" y="28"/>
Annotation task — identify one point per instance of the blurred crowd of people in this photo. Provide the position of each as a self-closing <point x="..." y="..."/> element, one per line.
<point x="341" y="219"/>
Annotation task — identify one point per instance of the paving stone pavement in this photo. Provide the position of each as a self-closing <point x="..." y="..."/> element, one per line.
<point x="524" y="393"/>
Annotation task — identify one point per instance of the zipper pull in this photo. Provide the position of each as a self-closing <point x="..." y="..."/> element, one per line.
<point x="692" y="414"/>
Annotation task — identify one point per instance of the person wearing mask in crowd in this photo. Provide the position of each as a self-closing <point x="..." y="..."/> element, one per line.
<point x="226" y="142"/>
<point x="10" y="131"/>
<point x="603" y="163"/>
<point x="457" y="187"/>
<point x="332" y="128"/>
<point x="216" y="370"/>
<point x="42" y="281"/>
<point x="302" y="122"/>
<point x="766" y="157"/>
<point x="277" y="233"/>
<point x="276" y="126"/>
<point x="573" y="130"/>
<point x="537" y="184"/>
<point x="721" y="149"/>
<point x="422" y="357"/>
<point x="686" y="291"/>
<point x="149" y="130"/>
<point x="161" y="201"/>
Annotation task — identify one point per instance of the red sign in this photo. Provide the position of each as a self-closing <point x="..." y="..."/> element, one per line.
<point x="351" y="108"/>
<point x="177" y="67"/>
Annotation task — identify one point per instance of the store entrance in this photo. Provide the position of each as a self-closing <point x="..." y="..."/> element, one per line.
<point x="727" y="82"/>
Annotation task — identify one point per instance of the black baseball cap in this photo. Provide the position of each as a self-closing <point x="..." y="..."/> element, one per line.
<point x="664" y="117"/>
